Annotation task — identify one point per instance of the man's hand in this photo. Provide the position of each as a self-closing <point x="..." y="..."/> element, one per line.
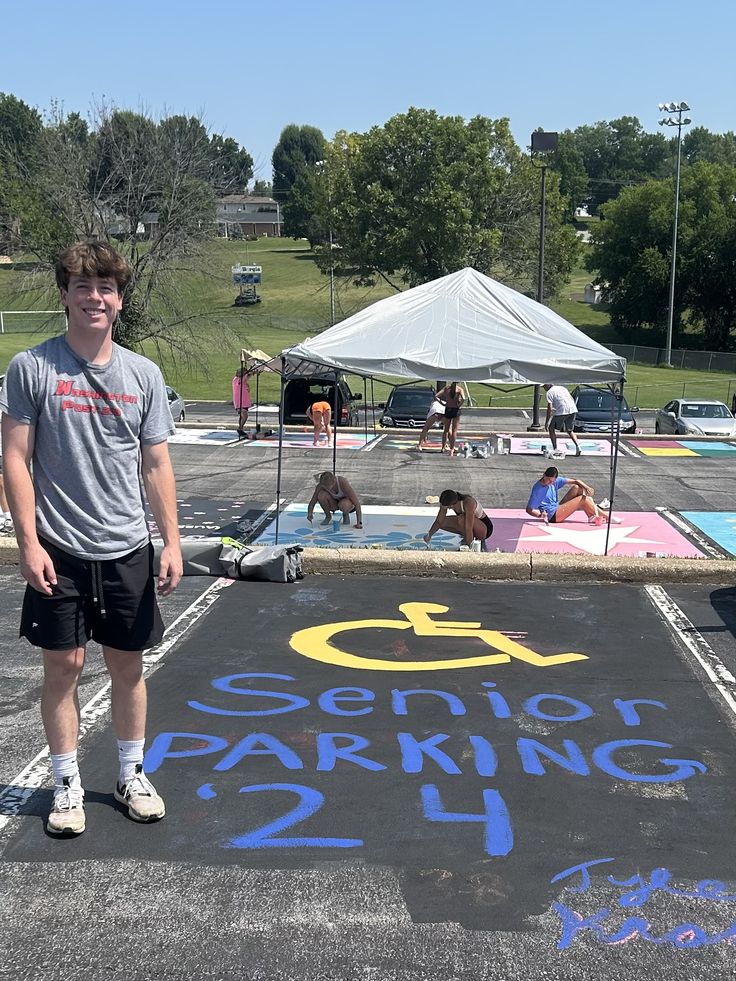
<point x="37" y="569"/>
<point x="170" y="570"/>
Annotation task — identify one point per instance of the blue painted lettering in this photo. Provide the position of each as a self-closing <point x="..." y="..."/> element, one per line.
<point x="625" y="707"/>
<point x="580" y="709"/>
<point x="260" y="744"/>
<point x="530" y="751"/>
<point x="328" y="700"/>
<point x="398" y="700"/>
<point x="414" y="750"/>
<point x="225" y="684"/>
<point x="499" y="835"/>
<point x="498" y="703"/>
<point x="160" y="749"/>
<point x="328" y="752"/>
<point x="682" y="769"/>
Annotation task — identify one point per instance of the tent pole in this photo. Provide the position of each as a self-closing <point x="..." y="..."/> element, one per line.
<point x="365" y="405"/>
<point x="373" y="406"/>
<point x="281" y="447"/>
<point x="258" y="399"/>
<point x="334" y="429"/>
<point x="614" y="450"/>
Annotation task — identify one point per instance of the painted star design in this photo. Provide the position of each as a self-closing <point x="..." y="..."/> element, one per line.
<point x="589" y="539"/>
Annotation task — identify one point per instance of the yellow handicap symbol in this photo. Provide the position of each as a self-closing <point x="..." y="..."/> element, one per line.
<point x="316" y="643"/>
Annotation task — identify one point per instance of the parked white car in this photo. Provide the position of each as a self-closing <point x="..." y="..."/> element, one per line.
<point x="176" y="404"/>
<point x="695" y="417"/>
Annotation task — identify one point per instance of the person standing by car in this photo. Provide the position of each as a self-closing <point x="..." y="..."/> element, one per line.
<point x="319" y="414"/>
<point x="561" y="411"/>
<point x="453" y="396"/>
<point x="436" y="414"/>
<point x="241" y="395"/>
<point x="83" y="421"/>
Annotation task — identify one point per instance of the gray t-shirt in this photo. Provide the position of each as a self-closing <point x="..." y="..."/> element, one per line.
<point x="90" y="422"/>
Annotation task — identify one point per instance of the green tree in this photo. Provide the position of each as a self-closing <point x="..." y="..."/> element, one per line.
<point x="632" y="252"/>
<point x="231" y="165"/>
<point x="21" y="130"/>
<point x="147" y="184"/>
<point x="298" y="148"/>
<point x="425" y="195"/>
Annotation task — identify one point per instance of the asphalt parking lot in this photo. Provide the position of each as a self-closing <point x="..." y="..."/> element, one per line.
<point x="505" y="816"/>
<point x="343" y="803"/>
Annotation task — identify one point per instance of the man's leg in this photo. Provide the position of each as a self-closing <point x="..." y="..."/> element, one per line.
<point x="129" y="705"/>
<point x="60" y="715"/>
<point x="552" y="434"/>
<point x="573" y="436"/>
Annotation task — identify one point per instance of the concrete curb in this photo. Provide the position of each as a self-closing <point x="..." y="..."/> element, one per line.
<point x="539" y="567"/>
<point x="496" y="566"/>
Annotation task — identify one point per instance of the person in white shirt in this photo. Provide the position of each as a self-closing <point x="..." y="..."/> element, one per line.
<point x="561" y="412"/>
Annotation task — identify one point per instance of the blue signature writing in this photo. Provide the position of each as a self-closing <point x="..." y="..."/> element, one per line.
<point x="638" y="889"/>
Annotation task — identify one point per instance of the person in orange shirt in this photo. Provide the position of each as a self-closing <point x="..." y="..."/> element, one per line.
<point x="320" y="415"/>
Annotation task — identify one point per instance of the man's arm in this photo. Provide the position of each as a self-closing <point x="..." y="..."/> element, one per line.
<point x="158" y="477"/>
<point x="36" y="566"/>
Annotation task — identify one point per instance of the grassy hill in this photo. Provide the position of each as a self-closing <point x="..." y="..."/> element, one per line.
<point x="296" y="304"/>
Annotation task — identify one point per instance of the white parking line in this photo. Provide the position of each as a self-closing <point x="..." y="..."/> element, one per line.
<point x="22" y="787"/>
<point x="723" y="689"/>
<point x="693" y="533"/>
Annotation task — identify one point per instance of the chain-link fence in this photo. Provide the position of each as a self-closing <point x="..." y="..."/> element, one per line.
<point x="695" y="360"/>
<point x="31" y="321"/>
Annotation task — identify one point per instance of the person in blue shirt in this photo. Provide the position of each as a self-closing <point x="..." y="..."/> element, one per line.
<point x="545" y="503"/>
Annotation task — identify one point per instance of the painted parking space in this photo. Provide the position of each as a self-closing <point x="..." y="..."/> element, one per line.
<point x="683" y="448"/>
<point x="536" y="445"/>
<point x="204" y="517"/>
<point x="720" y="526"/>
<point x="304" y="440"/>
<point x="481" y="759"/>
<point x="403" y="528"/>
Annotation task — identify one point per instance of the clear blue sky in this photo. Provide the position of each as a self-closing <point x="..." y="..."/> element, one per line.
<point x="350" y="64"/>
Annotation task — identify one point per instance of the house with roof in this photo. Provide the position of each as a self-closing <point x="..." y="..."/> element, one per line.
<point x="248" y="215"/>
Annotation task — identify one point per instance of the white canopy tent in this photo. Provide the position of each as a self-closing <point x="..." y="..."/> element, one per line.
<point x="463" y="327"/>
<point x="466" y="327"/>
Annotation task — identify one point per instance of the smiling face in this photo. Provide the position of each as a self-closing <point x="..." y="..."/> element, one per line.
<point x="92" y="303"/>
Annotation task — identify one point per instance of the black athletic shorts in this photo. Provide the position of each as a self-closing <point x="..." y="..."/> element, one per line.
<point x="451" y="411"/>
<point x="112" y="602"/>
<point x="489" y="525"/>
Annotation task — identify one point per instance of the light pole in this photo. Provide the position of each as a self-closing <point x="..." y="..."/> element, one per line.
<point x="541" y="143"/>
<point x="323" y="167"/>
<point x="674" y="109"/>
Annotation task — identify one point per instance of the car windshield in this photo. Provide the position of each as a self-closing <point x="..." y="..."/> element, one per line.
<point x="700" y="410"/>
<point x="598" y="402"/>
<point x="411" y="401"/>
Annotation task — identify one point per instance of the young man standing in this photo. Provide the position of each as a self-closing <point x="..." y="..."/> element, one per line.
<point x="82" y="419"/>
<point x="561" y="412"/>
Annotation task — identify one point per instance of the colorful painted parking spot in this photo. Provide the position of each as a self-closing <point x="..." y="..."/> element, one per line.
<point x="719" y="526"/>
<point x="204" y="437"/>
<point x="383" y="527"/>
<point x="410" y="440"/>
<point x="305" y="441"/>
<point x="536" y="445"/>
<point x="680" y="448"/>
<point x="639" y="533"/>
<point x="201" y="517"/>
<point x="401" y="528"/>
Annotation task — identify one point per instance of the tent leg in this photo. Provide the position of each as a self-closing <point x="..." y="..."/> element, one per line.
<point x="614" y="461"/>
<point x="281" y="449"/>
<point x="365" y="405"/>
<point x="334" y="429"/>
<point x="373" y="407"/>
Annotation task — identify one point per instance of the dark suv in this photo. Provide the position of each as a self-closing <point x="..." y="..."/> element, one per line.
<point x="596" y="407"/>
<point x="300" y="393"/>
<point x="408" y="405"/>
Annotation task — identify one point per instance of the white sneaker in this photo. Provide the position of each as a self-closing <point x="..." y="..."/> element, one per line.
<point x="7" y="528"/>
<point x="614" y="520"/>
<point x="605" y="504"/>
<point x="67" y="813"/>
<point x="140" y="797"/>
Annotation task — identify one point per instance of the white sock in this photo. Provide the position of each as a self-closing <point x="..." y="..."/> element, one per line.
<point x="130" y="754"/>
<point x="64" y="765"/>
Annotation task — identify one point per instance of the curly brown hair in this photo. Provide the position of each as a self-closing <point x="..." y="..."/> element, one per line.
<point x="92" y="259"/>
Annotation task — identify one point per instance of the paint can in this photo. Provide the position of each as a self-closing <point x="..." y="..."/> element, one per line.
<point x="475" y="547"/>
<point x="336" y="522"/>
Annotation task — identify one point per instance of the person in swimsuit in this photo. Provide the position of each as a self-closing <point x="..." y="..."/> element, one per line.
<point x="319" y="414"/>
<point x="453" y="396"/>
<point x="335" y="494"/>
<point x="469" y="520"/>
